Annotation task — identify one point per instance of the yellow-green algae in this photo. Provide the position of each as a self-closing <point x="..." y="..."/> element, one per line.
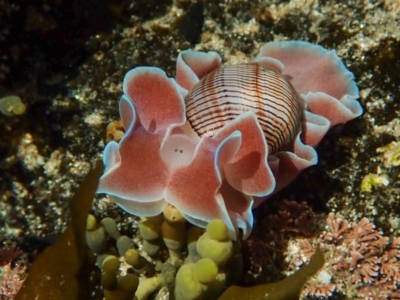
<point x="96" y="237"/>
<point x="371" y="181"/>
<point x="205" y="270"/>
<point x="173" y="231"/>
<point x="60" y="271"/>
<point x="205" y="278"/>
<point x="391" y="154"/>
<point x="134" y="259"/>
<point x="111" y="264"/>
<point x="150" y="231"/>
<point x="286" y="289"/>
<point x="215" y="243"/>
<point x="12" y="105"/>
<point x="119" y="287"/>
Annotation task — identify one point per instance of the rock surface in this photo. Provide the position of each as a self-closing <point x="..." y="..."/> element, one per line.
<point x="68" y="67"/>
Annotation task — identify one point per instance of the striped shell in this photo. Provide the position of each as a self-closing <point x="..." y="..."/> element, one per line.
<point x="227" y="92"/>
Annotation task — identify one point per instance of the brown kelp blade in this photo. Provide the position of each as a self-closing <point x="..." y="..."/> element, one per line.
<point x="286" y="289"/>
<point x="59" y="272"/>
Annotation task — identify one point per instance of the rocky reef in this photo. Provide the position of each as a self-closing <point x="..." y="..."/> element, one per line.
<point x="65" y="62"/>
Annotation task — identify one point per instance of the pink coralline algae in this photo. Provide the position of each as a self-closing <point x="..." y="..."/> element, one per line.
<point x="238" y="161"/>
<point x="263" y="252"/>
<point x="360" y="261"/>
<point x="13" y="271"/>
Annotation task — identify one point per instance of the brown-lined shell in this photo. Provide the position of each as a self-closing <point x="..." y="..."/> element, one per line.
<point x="224" y="94"/>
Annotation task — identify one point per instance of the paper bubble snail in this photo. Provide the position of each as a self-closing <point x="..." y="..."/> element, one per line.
<point x="218" y="140"/>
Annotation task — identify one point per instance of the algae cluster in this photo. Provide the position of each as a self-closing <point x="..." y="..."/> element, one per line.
<point x="199" y="265"/>
<point x="199" y="272"/>
<point x="12" y="105"/>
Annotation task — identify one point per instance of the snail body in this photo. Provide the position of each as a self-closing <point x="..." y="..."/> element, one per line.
<point x="216" y="141"/>
<point x="227" y="92"/>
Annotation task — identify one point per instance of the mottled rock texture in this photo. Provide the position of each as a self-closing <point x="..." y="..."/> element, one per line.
<point x="66" y="61"/>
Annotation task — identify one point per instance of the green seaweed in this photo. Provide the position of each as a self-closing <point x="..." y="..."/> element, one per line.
<point x="286" y="289"/>
<point x="60" y="271"/>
